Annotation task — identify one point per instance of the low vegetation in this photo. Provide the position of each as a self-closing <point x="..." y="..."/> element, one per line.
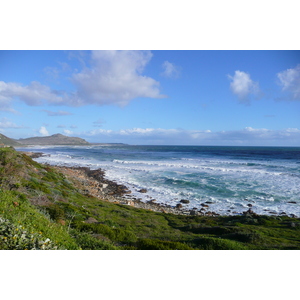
<point x="41" y="209"/>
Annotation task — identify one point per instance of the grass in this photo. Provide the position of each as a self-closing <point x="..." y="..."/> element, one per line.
<point x="41" y="209"/>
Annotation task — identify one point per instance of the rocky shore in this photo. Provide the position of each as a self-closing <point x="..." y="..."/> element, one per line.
<point x="94" y="183"/>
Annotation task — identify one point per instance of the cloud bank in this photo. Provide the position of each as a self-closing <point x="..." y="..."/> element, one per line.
<point x="243" y="86"/>
<point x="112" y="77"/>
<point x="246" y="137"/>
<point x="33" y="94"/>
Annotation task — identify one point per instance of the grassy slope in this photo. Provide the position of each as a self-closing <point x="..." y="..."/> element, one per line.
<point x="37" y="203"/>
<point x="9" y="142"/>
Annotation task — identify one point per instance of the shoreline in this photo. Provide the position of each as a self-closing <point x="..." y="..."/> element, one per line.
<point x="93" y="183"/>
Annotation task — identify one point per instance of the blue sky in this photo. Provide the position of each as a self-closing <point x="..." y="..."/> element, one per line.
<point x="196" y="97"/>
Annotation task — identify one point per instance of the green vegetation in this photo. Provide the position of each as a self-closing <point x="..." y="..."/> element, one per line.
<point x="41" y="209"/>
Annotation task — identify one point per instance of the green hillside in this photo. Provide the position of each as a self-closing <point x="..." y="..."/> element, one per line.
<point x="41" y="209"/>
<point x="6" y="141"/>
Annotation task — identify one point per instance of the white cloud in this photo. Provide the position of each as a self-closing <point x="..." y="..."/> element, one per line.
<point x="170" y="70"/>
<point x="242" y="86"/>
<point x="290" y="81"/>
<point x="115" y="77"/>
<point x="245" y="137"/>
<point x="43" y="131"/>
<point x="32" y="94"/>
<point x="5" y="123"/>
<point x="68" y="132"/>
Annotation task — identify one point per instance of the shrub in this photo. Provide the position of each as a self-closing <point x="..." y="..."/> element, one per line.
<point x="14" y="237"/>
<point x="114" y="234"/>
<point x="151" y="244"/>
<point x="209" y="243"/>
<point x="87" y="242"/>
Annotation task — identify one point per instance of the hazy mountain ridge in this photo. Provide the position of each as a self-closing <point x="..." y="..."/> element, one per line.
<point x="55" y="139"/>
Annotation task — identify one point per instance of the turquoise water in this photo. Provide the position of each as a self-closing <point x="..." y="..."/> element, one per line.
<point x="229" y="178"/>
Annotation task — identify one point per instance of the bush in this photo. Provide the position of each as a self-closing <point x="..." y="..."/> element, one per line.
<point x="14" y="237"/>
<point x="209" y="243"/>
<point x="87" y="242"/>
<point x="114" y="234"/>
<point x="151" y="244"/>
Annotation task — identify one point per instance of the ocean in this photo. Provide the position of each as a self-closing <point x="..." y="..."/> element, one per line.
<point x="227" y="179"/>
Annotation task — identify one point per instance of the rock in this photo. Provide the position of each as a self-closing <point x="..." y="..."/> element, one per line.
<point x="90" y="220"/>
<point x="185" y="201"/>
<point x="151" y="201"/>
<point x="142" y="191"/>
<point x="204" y="205"/>
<point x="293" y="202"/>
<point x="179" y="205"/>
<point x="193" y="213"/>
<point x="250" y="205"/>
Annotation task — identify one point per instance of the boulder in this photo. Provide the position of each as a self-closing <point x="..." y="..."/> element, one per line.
<point x="142" y="191"/>
<point x="185" y="201"/>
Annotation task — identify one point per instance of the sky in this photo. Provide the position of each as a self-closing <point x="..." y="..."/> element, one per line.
<point x="159" y="97"/>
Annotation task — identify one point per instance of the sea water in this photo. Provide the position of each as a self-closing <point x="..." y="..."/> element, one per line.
<point x="228" y="179"/>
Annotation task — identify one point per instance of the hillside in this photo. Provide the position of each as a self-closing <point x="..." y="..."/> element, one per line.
<point x="42" y="208"/>
<point x="6" y="141"/>
<point x="55" y="139"/>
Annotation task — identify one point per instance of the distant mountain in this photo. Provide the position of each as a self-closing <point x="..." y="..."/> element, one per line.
<point x="55" y="139"/>
<point x="6" y="141"/>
